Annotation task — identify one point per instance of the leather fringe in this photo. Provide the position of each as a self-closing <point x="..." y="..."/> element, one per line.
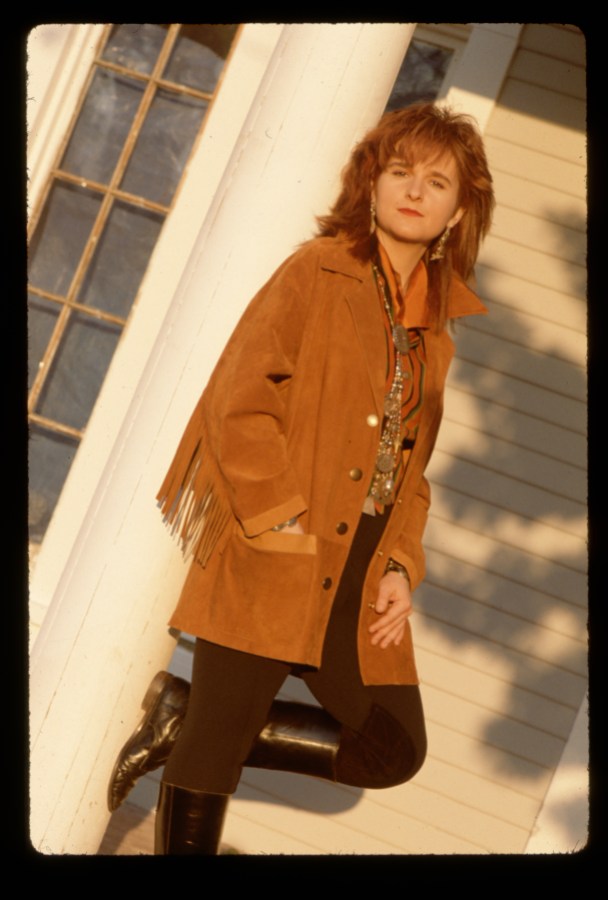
<point x="190" y="499"/>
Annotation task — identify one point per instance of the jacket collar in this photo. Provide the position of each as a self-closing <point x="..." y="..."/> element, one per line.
<point x="367" y="318"/>
<point x="463" y="301"/>
<point x="337" y="257"/>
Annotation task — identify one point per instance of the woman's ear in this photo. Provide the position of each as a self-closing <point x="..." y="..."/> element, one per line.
<point x="456" y="217"/>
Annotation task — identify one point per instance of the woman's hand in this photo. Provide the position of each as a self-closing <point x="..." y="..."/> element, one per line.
<point x="393" y="606"/>
<point x="292" y="529"/>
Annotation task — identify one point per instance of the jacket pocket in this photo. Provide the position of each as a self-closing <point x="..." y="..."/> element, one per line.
<point x="267" y="594"/>
<point x="280" y="542"/>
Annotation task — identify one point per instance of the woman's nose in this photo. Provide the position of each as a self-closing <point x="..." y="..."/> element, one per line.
<point x="414" y="188"/>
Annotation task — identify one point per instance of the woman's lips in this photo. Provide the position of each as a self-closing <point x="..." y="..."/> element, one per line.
<point x="410" y="212"/>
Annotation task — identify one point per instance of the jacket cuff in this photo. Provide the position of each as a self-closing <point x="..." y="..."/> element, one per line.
<point x="266" y="520"/>
<point x="415" y="576"/>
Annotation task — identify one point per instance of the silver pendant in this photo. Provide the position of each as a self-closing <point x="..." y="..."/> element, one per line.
<point x="401" y="339"/>
<point x="388" y="487"/>
<point x="385" y="462"/>
<point x="391" y="405"/>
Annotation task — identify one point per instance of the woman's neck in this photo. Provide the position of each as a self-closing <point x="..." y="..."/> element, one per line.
<point x="404" y="257"/>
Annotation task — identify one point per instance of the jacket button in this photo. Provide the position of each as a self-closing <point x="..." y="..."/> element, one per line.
<point x="326" y="583"/>
<point x="372" y="420"/>
<point x="356" y="474"/>
<point x="341" y="527"/>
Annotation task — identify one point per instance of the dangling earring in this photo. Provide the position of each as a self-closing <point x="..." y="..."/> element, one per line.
<point x="372" y="216"/>
<point x="439" y="251"/>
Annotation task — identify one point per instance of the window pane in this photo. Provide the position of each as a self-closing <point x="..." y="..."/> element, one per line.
<point x="135" y="46"/>
<point x="61" y="236"/>
<point x="199" y="54"/>
<point x="161" y="142"/>
<point x="163" y="146"/>
<point x="102" y="126"/>
<point x="121" y="258"/>
<point x="41" y="319"/>
<point x="421" y="75"/>
<point x="78" y="370"/>
<point x="50" y="458"/>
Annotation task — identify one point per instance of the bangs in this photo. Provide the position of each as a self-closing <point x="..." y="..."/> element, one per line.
<point x="420" y="151"/>
<point x="426" y="145"/>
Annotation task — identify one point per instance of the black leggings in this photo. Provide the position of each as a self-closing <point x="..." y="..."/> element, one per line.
<point x="232" y="691"/>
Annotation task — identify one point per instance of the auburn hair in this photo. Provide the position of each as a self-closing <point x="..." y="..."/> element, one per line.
<point x="421" y="132"/>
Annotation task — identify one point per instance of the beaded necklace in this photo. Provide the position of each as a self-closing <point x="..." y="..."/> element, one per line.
<point x="382" y="489"/>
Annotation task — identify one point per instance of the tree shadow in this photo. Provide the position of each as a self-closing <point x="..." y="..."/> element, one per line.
<point x="509" y="596"/>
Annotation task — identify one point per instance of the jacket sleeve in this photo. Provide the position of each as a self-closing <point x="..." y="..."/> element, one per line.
<point x="408" y="550"/>
<point x="247" y="394"/>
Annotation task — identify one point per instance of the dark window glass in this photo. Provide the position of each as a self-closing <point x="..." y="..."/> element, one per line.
<point x="42" y="318"/>
<point x="50" y="458"/>
<point x="121" y="258"/>
<point x="163" y="146"/>
<point x="78" y="370"/>
<point x="198" y="56"/>
<point x="421" y="75"/>
<point x="61" y="236"/>
<point x="135" y="47"/>
<point x="102" y="126"/>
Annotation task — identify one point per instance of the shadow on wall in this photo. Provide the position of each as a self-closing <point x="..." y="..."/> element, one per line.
<point x="506" y="587"/>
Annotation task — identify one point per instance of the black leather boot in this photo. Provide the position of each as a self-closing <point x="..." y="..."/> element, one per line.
<point x="188" y="823"/>
<point x="151" y="743"/>
<point x="309" y="741"/>
<point x="297" y="738"/>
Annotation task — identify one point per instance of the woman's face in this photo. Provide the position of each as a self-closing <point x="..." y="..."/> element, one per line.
<point x="415" y="202"/>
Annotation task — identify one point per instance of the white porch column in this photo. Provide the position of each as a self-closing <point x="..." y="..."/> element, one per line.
<point x="490" y="50"/>
<point x="104" y="635"/>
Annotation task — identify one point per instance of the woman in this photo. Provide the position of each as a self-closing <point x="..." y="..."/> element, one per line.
<point x="299" y="488"/>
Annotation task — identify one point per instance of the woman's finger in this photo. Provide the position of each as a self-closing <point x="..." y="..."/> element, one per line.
<point x="393" y="636"/>
<point x="395" y="613"/>
<point x="388" y="631"/>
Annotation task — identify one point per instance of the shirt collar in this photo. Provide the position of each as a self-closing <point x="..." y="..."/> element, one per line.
<point x="413" y="306"/>
<point x="462" y="300"/>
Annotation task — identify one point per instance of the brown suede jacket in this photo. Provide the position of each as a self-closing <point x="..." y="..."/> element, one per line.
<point x="289" y="425"/>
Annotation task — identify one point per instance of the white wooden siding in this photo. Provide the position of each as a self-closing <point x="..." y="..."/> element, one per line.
<point x="501" y="634"/>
